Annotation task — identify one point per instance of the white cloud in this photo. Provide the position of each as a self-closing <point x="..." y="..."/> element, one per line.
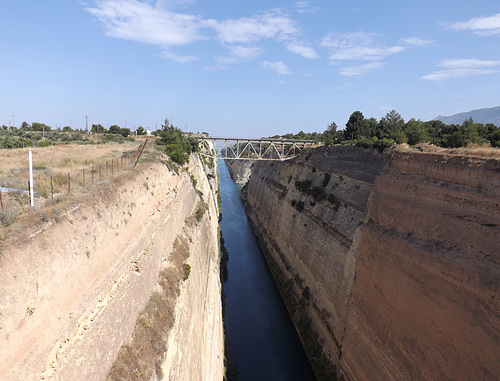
<point x="355" y="71"/>
<point x="357" y="46"/>
<point x="304" y="51"/>
<point x="456" y="68"/>
<point x="253" y="29"/>
<point x="416" y="41"/>
<point x="146" y="23"/>
<point x="484" y="26"/>
<point x="305" y="7"/>
<point x="279" y="67"/>
<point x="181" y="59"/>
<point x="362" y="46"/>
<point x="239" y="53"/>
<point x="154" y="23"/>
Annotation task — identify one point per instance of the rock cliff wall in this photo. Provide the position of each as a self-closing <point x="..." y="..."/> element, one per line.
<point x="72" y="291"/>
<point x="388" y="263"/>
<point x="240" y="170"/>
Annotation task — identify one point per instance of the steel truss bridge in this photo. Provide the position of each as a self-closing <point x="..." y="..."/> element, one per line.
<point x="253" y="149"/>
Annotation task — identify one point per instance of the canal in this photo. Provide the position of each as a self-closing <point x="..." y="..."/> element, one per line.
<point x="260" y="337"/>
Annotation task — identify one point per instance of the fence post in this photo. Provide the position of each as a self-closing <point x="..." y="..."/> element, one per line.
<point x="99" y="171"/>
<point x="32" y="194"/>
<point x="140" y="149"/>
<point x="51" y="189"/>
<point x="69" y="183"/>
<point x="1" y="202"/>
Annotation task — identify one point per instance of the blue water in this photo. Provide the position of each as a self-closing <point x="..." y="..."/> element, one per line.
<point x="260" y="337"/>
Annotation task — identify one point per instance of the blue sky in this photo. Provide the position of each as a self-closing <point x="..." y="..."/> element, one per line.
<point x="245" y="68"/>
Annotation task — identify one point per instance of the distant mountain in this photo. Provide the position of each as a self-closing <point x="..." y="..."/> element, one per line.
<point x="483" y="115"/>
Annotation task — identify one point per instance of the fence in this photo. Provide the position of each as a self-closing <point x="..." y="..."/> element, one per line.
<point x="14" y="201"/>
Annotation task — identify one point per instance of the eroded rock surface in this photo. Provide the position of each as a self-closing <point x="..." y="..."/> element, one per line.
<point x="391" y="267"/>
<point x="72" y="291"/>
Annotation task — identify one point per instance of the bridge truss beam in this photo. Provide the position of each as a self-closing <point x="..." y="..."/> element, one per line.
<point x="254" y="149"/>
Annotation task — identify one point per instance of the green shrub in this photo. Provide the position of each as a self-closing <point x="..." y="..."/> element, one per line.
<point x="187" y="271"/>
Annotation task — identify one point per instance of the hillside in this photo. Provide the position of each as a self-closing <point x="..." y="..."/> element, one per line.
<point x="483" y="115"/>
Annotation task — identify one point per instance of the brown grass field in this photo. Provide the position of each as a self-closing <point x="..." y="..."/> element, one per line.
<point x="89" y="167"/>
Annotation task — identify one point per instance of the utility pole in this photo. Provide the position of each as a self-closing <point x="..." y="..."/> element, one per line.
<point x="13" y="121"/>
<point x="86" y="124"/>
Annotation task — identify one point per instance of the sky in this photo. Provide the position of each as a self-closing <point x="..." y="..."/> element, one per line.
<point x="245" y="68"/>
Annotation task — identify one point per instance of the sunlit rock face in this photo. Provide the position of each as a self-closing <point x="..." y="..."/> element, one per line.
<point x="389" y="263"/>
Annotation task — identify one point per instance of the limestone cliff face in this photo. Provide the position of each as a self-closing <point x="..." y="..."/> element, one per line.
<point x="72" y="291"/>
<point x="389" y="264"/>
<point x="240" y="170"/>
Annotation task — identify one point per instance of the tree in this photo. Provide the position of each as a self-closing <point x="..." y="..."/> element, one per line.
<point x="140" y="131"/>
<point x="39" y="127"/>
<point x="394" y="120"/>
<point x="125" y="132"/>
<point x="329" y="135"/>
<point x="114" y="129"/>
<point x="25" y="126"/>
<point x="355" y="127"/>
<point x="176" y="146"/>
<point x="494" y="138"/>
<point x="98" y="129"/>
<point x="416" y="132"/>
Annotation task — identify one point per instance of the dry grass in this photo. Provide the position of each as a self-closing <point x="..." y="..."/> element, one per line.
<point x="142" y="358"/>
<point x="476" y="150"/>
<point x="58" y="160"/>
<point x="51" y="168"/>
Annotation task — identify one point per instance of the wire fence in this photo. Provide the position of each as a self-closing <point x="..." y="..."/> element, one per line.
<point x="53" y="186"/>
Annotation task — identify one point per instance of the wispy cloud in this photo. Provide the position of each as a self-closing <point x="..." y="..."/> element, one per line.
<point x="303" y="50"/>
<point x="157" y="24"/>
<point x="279" y="67"/>
<point x="483" y="26"/>
<point x="415" y="41"/>
<point x="357" y="46"/>
<point x="178" y="58"/>
<point x="146" y="23"/>
<point x="238" y="53"/>
<point x="356" y="71"/>
<point x="362" y="46"/>
<point x="456" y="68"/>
<point x="306" y="7"/>
<point x="252" y="29"/>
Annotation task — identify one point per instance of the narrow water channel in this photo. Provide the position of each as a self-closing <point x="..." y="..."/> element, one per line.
<point x="260" y="337"/>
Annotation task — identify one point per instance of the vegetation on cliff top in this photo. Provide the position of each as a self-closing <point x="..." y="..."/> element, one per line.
<point x="177" y="146"/>
<point x="392" y="129"/>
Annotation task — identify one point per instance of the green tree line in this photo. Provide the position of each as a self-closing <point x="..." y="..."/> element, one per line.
<point x="392" y="129"/>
